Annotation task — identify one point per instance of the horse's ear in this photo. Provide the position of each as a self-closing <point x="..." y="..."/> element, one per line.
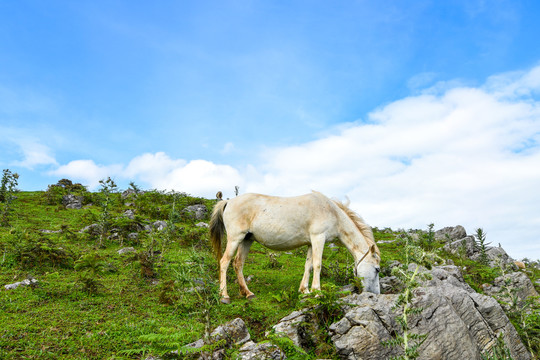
<point x="373" y="249"/>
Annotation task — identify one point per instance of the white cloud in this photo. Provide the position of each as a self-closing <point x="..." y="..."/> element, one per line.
<point x="21" y="144"/>
<point x="87" y="172"/>
<point x="151" y="168"/>
<point x="200" y="177"/>
<point x="158" y="171"/>
<point x="228" y="148"/>
<point x="197" y="177"/>
<point x="34" y="154"/>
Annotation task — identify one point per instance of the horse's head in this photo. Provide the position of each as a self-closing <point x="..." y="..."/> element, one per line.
<point x="368" y="269"/>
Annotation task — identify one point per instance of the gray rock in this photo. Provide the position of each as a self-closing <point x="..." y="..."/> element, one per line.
<point x="50" y="231"/>
<point x="72" y="201"/>
<point x="25" y="282"/>
<point x="202" y="224"/>
<point x="389" y="284"/>
<point x="291" y="326"/>
<point x="497" y="256"/>
<point x="234" y="332"/>
<point x="128" y="193"/>
<point x="516" y="283"/>
<point x="130" y="214"/>
<point x="159" y="225"/>
<point x="126" y="250"/>
<point x="465" y="246"/>
<point x="198" y="212"/>
<point x="458" y="325"/>
<point x="93" y="229"/>
<point x="264" y="351"/>
<point x="450" y="234"/>
<point x="448" y="275"/>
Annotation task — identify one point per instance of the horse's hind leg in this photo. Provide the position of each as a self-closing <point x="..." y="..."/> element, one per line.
<point x="238" y="264"/>
<point x="304" y="284"/>
<point x="232" y="245"/>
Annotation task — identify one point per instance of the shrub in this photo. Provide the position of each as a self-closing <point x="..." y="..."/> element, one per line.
<point x="30" y="251"/>
<point x="481" y="245"/>
<point x="8" y="187"/>
<point x="92" y="266"/>
<point x="55" y="193"/>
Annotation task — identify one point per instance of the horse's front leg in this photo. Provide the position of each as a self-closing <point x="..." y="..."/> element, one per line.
<point x="238" y="264"/>
<point x="317" y="245"/>
<point x="304" y="284"/>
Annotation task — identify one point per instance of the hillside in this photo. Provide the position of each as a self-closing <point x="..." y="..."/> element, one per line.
<point x="123" y="275"/>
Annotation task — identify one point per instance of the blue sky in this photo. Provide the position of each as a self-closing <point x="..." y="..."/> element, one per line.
<point x="419" y="112"/>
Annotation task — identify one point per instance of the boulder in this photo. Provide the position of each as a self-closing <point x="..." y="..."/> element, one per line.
<point x="234" y="332"/>
<point x="292" y="327"/>
<point x="450" y="234"/>
<point x="497" y="256"/>
<point x="126" y="250"/>
<point x="264" y="351"/>
<point x="515" y="283"/>
<point x="465" y="246"/>
<point x="159" y="225"/>
<point x="389" y="284"/>
<point x="93" y="229"/>
<point x="459" y="323"/>
<point x="25" y="282"/>
<point x="198" y="212"/>
<point x="130" y="214"/>
<point x="72" y="201"/>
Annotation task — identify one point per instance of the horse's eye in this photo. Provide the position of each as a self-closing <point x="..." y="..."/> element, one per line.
<point x="378" y="269"/>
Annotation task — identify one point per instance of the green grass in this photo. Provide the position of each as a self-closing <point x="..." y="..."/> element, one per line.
<point x="59" y="319"/>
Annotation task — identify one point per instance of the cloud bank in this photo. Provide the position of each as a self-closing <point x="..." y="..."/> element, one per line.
<point x="449" y="155"/>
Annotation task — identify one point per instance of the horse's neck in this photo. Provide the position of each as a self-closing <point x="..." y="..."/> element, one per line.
<point x="352" y="238"/>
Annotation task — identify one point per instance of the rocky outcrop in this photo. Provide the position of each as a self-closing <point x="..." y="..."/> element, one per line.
<point x="294" y="327"/>
<point x="451" y="233"/>
<point x="198" y="212"/>
<point x="509" y="285"/>
<point x="459" y="243"/>
<point x="458" y="322"/>
<point x="72" y="201"/>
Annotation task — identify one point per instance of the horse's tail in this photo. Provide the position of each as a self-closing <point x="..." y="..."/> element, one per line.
<point x="217" y="228"/>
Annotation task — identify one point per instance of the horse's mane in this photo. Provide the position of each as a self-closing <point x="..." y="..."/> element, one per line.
<point x="364" y="228"/>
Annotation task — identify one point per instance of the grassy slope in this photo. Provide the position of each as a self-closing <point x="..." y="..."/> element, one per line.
<point x="58" y="319"/>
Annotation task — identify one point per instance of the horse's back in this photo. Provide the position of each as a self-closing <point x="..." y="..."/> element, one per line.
<point x="279" y="222"/>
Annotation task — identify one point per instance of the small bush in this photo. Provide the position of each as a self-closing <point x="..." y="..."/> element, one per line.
<point x="30" y="251"/>
<point x="55" y="193"/>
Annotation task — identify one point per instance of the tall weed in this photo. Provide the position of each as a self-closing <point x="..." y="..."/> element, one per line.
<point x="8" y="187"/>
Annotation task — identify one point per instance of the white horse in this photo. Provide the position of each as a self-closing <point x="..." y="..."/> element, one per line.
<point x="288" y="223"/>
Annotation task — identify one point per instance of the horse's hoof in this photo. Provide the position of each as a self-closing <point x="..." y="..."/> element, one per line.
<point x="251" y="297"/>
<point x="225" y="300"/>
